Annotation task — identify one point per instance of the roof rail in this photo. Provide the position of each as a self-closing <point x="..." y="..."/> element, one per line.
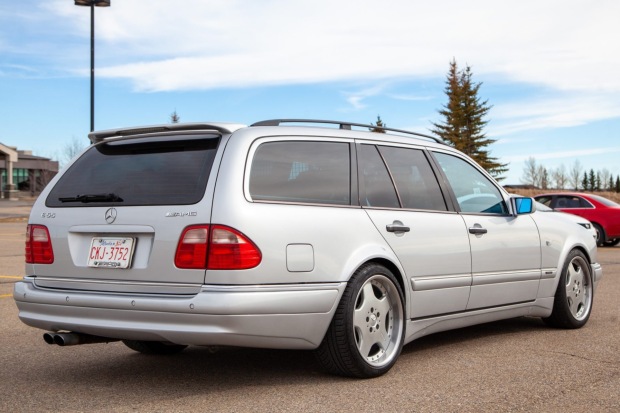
<point x="345" y="125"/>
<point x="172" y="127"/>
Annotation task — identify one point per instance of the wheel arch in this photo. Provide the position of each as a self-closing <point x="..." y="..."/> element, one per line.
<point x="551" y="288"/>
<point x="382" y="256"/>
<point x="395" y="270"/>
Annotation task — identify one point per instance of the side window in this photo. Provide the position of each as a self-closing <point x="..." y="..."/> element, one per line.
<point x="567" y="201"/>
<point x="301" y="171"/>
<point x="415" y="181"/>
<point x="474" y="191"/>
<point x="545" y="200"/>
<point x="583" y="203"/>
<point x="378" y="187"/>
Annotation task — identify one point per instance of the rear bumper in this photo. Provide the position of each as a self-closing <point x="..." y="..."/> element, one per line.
<point x="282" y="316"/>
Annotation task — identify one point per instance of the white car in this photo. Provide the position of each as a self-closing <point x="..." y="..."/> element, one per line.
<point x="340" y="240"/>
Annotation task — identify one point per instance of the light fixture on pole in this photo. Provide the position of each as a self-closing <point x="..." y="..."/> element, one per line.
<point x="92" y="4"/>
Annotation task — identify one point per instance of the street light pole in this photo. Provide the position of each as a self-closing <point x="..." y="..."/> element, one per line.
<point x="92" y="66"/>
<point x="92" y="4"/>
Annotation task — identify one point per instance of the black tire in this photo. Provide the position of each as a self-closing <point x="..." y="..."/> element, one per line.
<point x="600" y="235"/>
<point x="153" y="347"/>
<point x="573" y="298"/>
<point x="368" y="329"/>
<point x="612" y="242"/>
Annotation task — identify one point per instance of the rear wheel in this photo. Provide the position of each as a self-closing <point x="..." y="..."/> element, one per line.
<point x="153" y="347"/>
<point x="366" y="334"/>
<point x="573" y="298"/>
<point x="612" y="242"/>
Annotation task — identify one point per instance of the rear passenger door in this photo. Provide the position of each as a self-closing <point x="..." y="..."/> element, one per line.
<point x="401" y="194"/>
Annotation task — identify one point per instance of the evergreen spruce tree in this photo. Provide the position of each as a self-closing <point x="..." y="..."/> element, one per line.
<point x="591" y="180"/>
<point x="585" y="184"/>
<point x="610" y="184"/>
<point x="378" y="127"/>
<point x="618" y="184"/>
<point x="174" y="117"/>
<point x="464" y="119"/>
<point x="598" y="184"/>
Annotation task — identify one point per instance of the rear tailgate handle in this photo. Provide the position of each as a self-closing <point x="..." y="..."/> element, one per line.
<point x="397" y="226"/>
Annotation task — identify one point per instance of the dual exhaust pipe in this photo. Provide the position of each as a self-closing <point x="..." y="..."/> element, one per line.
<point x="74" y="339"/>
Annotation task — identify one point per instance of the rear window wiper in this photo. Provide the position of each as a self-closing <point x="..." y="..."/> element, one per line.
<point x="86" y="198"/>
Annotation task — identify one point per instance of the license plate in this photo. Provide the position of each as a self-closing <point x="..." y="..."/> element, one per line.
<point x="106" y="252"/>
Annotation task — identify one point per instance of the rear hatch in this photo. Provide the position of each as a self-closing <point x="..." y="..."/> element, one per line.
<point x="115" y="215"/>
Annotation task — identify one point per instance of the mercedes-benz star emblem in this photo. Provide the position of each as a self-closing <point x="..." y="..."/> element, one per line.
<point x="110" y="215"/>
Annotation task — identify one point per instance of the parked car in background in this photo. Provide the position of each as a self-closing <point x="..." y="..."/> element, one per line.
<point x="541" y="208"/>
<point x="278" y="235"/>
<point x="604" y="214"/>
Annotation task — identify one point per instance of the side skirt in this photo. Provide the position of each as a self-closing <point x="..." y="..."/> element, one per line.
<point x="421" y="327"/>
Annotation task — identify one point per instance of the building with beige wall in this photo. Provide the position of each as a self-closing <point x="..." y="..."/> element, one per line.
<point x="21" y="171"/>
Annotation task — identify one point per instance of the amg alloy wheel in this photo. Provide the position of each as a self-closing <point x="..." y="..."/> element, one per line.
<point x="367" y="332"/>
<point x="573" y="298"/>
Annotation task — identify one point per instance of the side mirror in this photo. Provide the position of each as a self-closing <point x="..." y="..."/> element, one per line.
<point x="522" y="205"/>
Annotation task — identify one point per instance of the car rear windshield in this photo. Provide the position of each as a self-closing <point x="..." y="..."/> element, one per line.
<point x="605" y="201"/>
<point x="144" y="171"/>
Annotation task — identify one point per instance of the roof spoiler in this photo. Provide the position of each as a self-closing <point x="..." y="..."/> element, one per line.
<point x="172" y="127"/>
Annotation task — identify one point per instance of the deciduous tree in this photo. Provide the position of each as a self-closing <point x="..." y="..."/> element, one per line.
<point x="575" y="175"/>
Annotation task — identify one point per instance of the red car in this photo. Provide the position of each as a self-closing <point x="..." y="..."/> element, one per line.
<point x="603" y="213"/>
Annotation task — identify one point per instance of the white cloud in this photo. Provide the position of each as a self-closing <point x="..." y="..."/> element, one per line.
<point x="563" y="45"/>
<point x="572" y="154"/>
<point x="355" y="99"/>
<point x="410" y="98"/>
<point x="563" y="111"/>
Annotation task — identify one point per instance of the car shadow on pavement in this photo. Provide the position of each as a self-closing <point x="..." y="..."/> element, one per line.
<point x="201" y="369"/>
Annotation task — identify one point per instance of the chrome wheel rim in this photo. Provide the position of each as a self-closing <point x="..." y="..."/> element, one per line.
<point x="378" y="321"/>
<point x="578" y="288"/>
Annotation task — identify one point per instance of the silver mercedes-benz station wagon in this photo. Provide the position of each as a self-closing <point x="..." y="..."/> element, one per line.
<point x="291" y="234"/>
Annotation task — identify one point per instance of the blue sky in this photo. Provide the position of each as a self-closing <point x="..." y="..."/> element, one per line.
<point x="548" y="68"/>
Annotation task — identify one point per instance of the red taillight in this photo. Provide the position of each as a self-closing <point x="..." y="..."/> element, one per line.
<point x="231" y="250"/>
<point x="192" y="248"/>
<point x="215" y="247"/>
<point x="38" y="245"/>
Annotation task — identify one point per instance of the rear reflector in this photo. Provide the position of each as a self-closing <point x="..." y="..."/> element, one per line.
<point x="38" y="245"/>
<point x="215" y="247"/>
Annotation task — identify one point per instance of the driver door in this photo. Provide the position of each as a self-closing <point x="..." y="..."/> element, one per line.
<point x="505" y="249"/>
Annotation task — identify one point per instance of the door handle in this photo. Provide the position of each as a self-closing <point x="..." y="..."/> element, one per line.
<point x="477" y="230"/>
<point x="397" y="227"/>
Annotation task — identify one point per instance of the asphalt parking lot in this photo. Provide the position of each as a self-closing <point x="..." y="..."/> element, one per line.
<point x="510" y="366"/>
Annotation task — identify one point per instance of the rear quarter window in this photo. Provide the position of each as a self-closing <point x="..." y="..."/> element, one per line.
<point x="140" y="172"/>
<point x="302" y="172"/>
